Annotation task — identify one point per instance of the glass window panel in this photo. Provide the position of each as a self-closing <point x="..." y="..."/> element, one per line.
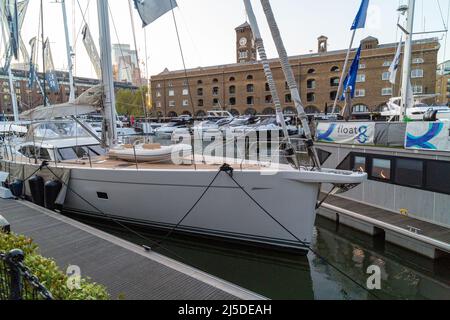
<point x="381" y="169"/>
<point x="409" y="172"/>
<point x="360" y="164"/>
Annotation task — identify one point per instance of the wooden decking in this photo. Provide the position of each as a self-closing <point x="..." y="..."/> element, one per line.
<point x="127" y="270"/>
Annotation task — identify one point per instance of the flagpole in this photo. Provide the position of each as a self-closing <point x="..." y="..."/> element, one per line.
<point x="406" y="83"/>
<point x="341" y="80"/>
<point x="44" y="91"/>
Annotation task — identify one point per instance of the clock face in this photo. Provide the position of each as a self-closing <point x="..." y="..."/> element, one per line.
<point x="243" y="41"/>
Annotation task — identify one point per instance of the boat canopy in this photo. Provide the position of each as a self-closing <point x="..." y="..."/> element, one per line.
<point x="88" y="102"/>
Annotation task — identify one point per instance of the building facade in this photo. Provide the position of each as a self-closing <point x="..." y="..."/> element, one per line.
<point x="125" y="64"/>
<point x="31" y="98"/>
<point x="241" y="88"/>
<point x="443" y="83"/>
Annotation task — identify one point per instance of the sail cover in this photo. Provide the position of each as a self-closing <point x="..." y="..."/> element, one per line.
<point x="151" y="10"/>
<point x="88" y="102"/>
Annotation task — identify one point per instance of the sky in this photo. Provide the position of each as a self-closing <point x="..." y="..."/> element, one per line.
<point x="206" y="28"/>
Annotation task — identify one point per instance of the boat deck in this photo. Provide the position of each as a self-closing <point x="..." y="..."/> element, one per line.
<point x="402" y="230"/>
<point x="126" y="270"/>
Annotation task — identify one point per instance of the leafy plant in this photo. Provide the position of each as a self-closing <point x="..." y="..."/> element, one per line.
<point x="48" y="272"/>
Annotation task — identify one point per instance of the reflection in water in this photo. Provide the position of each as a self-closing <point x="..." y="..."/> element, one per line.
<point x="283" y="275"/>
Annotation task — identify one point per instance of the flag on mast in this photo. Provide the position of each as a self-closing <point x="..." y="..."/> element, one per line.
<point x="50" y="74"/>
<point x="396" y="63"/>
<point x="360" y="19"/>
<point x="350" y="80"/>
<point x="91" y="49"/>
<point x="151" y="10"/>
<point x="32" y="70"/>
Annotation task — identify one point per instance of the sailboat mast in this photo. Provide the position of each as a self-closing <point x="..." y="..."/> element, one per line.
<point x="406" y="74"/>
<point x="44" y="90"/>
<point x="69" y="52"/>
<point x="290" y="79"/>
<point x="110" y="122"/>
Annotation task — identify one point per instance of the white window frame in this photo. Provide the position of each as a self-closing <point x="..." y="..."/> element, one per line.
<point x="416" y="73"/>
<point x="387" y="63"/>
<point x="386" y="91"/>
<point x="386" y="76"/>
<point x="361" y="77"/>
<point x="172" y="104"/>
<point x="359" y="93"/>
<point x="185" y="103"/>
<point x="418" y="89"/>
<point x="418" y="61"/>
<point x="171" y="93"/>
<point x="185" y="91"/>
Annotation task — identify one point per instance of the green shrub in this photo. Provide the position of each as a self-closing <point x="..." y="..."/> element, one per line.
<point x="48" y="272"/>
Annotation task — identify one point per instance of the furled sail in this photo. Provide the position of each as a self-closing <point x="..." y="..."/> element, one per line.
<point x="92" y="51"/>
<point x="50" y="74"/>
<point x="90" y="101"/>
<point x="150" y="10"/>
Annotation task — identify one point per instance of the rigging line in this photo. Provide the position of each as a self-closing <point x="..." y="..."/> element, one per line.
<point x="83" y="14"/>
<point x="446" y="34"/>
<point x="300" y="241"/>
<point x="44" y="164"/>
<point x="137" y="58"/>
<point x="182" y="58"/>
<point x="442" y="15"/>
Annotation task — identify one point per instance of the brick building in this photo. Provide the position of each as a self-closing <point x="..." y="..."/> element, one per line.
<point x="32" y="98"/>
<point x="443" y="83"/>
<point x="241" y="88"/>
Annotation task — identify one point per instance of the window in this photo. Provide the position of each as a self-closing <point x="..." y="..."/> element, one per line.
<point x="172" y="104"/>
<point x="323" y="155"/>
<point x="334" y="82"/>
<point x="200" y="103"/>
<point x="386" y="76"/>
<point x="409" y="172"/>
<point x="171" y="93"/>
<point x="333" y="95"/>
<point x="67" y="154"/>
<point x="288" y="98"/>
<point x="417" y="89"/>
<point x="185" y="92"/>
<point x="418" y="61"/>
<point x="232" y="101"/>
<point x="250" y="100"/>
<point x="249" y="77"/>
<point x="311" y="71"/>
<point x="360" y="93"/>
<point x="286" y="86"/>
<point x="386" y="92"/>
<point x="215" y="91"/>
<point x="381" y="169"/>
<point x="232" y="79"/>
<point x="359" y="164"/>
<point x="199" y="82"/>
<point x="311" y="84"/>
<point x="215" y="102"/>
<point x="186" y="83"/>
<point x="250" y="88"/>
<point x="232" y="89"/>
<point x="243" y="54"/>
<point x="200" y="91"/>
<point x="268" y="99"/>
<point x="438" y="176"/>
<point x="158" y="94"/>
<point x="215" y="80"/>
<point x="387" y="63"/>
<point x="360" y="108"/>
<point x="185" y="103"/>
<point x="158" y="104"/>
<point x="334" y="69"/>
<point x="170" y="84"/>
<point x="267" y="87"/>
<point x="310" y="97"/>
<point x="158" y="85"/>
<point x="361" y="78"/>
<point x="362" y="66"/>
<point x="417" y="73"/>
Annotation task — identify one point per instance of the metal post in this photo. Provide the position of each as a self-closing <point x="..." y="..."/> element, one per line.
<point x="69" y="52"/>
<point x="344" y="69"/>
<point x="12" y="258"/>
<point x="406" y="74"/>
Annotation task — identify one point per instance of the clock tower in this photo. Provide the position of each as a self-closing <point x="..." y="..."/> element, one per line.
<point x="245" y="45"/>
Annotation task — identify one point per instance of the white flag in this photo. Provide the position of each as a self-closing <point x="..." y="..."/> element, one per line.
<point x="150" y="10"/>
<point x="396" y="63"/>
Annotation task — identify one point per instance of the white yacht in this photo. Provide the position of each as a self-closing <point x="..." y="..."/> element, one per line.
<point x="416" y="112"/>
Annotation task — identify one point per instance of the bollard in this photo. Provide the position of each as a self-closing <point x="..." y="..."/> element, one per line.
<point x="12" y="259"/>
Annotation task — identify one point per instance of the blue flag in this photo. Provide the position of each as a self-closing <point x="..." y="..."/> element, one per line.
<point x="350" y="80"/>
<point x="150" y="10"/>
<point x="50" y="74"/>
<point x="360" y="20"/>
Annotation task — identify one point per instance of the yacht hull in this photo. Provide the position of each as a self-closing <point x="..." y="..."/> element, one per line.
<point x="161" y="198"/>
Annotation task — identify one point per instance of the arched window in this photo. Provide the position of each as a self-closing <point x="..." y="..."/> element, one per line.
<point x="311" y="84"/>
<point x="215" y="80"/>
<point x="334" y="69"/>
<point x="310" y="97"/>
<point x="311" y="110"/>
<point x="232" y="79"/>
<point x="250" y="100"/>
<point x="200" y="114"/>
<point x="333" y="95"/>
<point x="330" y="109"/>
<point x="311" y="71"/>
<point x="360" y="108"/>
<point x="232" y="89"/>
<point x="199" y="82"/>
<point x="232" y="101"/>
<point x="268" y="111"/>
<point x="187" y="113"/>
<point x="268" y="99"/>
<point x="235" y="112"/>
<point x="249" y="77"/>
<point x="289" y="111"/>
<point x="334" y="82"/>
<point x="250" y="112"/>
<point x="250" y="88"/>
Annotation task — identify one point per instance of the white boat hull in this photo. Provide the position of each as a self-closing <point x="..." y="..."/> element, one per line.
<point x="160" y="198"/>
